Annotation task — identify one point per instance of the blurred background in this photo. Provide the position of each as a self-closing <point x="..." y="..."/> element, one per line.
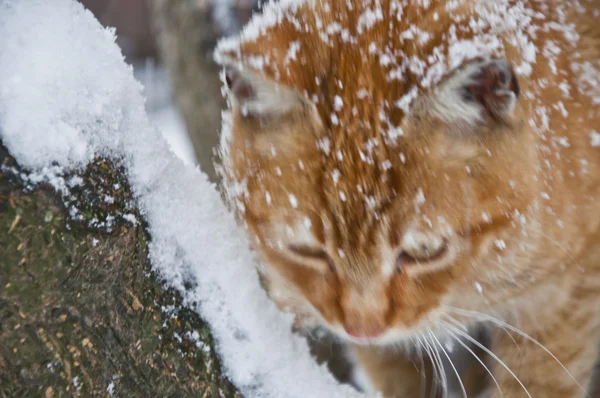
<point x="170" y="44"/>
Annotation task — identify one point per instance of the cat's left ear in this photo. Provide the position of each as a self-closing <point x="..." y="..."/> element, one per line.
<point x="255" y="94"/>
<point x="480" y="90"/>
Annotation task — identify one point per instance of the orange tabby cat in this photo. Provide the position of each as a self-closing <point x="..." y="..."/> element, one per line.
<point x="409" y="170"/>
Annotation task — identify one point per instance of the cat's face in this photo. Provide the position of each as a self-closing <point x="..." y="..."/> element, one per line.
<point x="371" y="235"/>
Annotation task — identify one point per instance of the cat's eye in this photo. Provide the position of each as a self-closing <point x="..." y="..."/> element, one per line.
<point x="422" y="254"/>
<point x="313" y="253"/>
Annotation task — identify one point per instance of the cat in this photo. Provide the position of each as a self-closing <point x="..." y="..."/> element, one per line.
<point x="410" y="171"/>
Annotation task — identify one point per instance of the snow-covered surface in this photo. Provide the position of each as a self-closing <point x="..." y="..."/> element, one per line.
<point x="170" y="123"/>
<point x="66" y="95"/>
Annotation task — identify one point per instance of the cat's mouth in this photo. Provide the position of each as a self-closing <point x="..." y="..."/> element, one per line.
<point x="393" y="334"/>
<point x="387" y="337"/>
<point x="379" y="340"/>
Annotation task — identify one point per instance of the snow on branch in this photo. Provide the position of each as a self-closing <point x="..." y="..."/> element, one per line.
<point x="66" y="95"/>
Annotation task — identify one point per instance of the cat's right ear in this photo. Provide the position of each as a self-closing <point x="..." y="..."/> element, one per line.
<point x="481" y="89"/>
<point x="256" y="95"/>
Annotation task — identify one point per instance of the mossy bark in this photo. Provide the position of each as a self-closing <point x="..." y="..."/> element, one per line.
<point x="81" y="312"/>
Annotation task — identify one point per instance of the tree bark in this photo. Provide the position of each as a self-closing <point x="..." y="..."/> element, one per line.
<point x="81" y="312"/>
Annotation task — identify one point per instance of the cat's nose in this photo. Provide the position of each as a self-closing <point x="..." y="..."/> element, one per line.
<point x="364" y="333"/>
<point x="365" y="313"/>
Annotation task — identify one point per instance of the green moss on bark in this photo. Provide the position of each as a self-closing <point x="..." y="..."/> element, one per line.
<point x="81" y="312"/>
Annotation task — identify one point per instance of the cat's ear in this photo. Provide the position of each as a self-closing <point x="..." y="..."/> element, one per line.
<point x="255" y="94"/>
<point x="479" y="90"/>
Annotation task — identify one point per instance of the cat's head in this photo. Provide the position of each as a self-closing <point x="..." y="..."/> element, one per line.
<point x="370" y="215"/>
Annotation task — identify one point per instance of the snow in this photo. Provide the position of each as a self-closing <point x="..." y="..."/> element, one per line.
<point x="170" y="123"/>
<point x="500" y="244"/>
<point x="486" y="217"/>
<point x="292" y="54"/>
<point x="307" y="223"/>
<point x="272" y="14"/>
<point x="334" y="119"/>
<point x="338" y="103"/>
<point x="420" y="197"/>
<point x="111" y="388"/>
<point x="369" y="18"/>
<point x="335" y="176"/>
<point x="162" y="111"/>
<point x="67" y="96"/>
<point x="595" y="136"/>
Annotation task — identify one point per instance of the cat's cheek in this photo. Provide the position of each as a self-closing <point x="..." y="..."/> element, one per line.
<point x="323" y="297"/>
<point x="286" y="295"/>
<point x="310" y="296"/>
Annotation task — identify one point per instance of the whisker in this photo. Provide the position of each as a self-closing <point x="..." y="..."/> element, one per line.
<point x="490" y="318"/>
<point x="552" y="240"/>
<point x="436" y="372"/>
<point x="490" y="353"/>
<point x="466" y="330"/>
<point x="457" y="323"/>
<point x="462" y="386"/>
<point x="423" y="386"/>
<point x="419" y="352"/>
<point x="438" y="359"/>
<point x="409" y="348"/>
<point x="466" y="347"/>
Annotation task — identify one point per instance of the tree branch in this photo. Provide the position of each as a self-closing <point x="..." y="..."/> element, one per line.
<point x="81" y="312"/>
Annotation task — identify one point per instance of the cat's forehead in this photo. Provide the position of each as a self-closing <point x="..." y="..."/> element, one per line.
<point x="361" y="60"/>
<point x="364" y="192"/>
<point x="364" y="80"/>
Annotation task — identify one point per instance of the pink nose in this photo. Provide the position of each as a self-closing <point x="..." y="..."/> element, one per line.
<point x="364" y="333"/>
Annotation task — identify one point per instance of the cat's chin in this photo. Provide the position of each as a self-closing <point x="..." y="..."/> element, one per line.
<point x="389" y="337"/>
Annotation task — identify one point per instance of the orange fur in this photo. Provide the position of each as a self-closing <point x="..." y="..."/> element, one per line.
<point x="332" y="197"/>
